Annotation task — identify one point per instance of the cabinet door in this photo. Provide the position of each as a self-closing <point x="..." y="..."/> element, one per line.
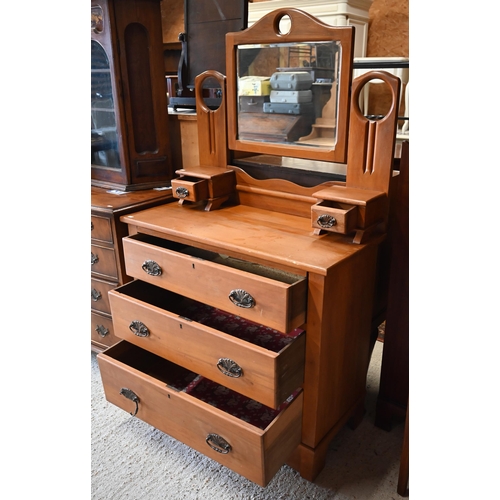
<point x="130" y="135"/>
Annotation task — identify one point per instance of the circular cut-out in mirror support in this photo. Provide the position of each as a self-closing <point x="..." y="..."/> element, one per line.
<point x="375" y="98"/>
<point x="209" y="87"/>
<point x="283" y="24"/>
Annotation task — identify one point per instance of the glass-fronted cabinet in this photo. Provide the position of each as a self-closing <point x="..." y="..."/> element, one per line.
<point x="130" y="146"/>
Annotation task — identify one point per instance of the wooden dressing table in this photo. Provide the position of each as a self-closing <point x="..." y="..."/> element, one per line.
<point x="247" y="329"/>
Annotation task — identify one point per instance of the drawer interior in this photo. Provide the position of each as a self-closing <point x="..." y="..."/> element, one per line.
<point x="334" y="204"/>
<point x="212" y="317"/>
<point x="257" y="269"/>
<point x="180" y="379"/>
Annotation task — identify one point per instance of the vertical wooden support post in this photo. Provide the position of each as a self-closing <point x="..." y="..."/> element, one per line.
<point x="371" y="143"/>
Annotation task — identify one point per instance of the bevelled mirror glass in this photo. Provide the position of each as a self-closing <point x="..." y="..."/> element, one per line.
<point x="288" y="85"/>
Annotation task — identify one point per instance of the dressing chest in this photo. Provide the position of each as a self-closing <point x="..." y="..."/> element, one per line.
<point x="246" y="331"/>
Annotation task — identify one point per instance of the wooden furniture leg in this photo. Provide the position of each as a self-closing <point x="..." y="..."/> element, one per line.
<point x="405" y="461"/>
<point x="394" y="376"/>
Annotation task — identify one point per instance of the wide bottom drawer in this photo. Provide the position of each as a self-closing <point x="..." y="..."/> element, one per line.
<point x="246" y="436"/>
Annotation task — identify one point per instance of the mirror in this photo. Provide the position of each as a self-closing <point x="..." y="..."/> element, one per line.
<point x="287" y="93"/>
<point x="288" y="81"/>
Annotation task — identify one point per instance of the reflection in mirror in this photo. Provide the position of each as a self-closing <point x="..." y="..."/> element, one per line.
<point x="288" y="93"/>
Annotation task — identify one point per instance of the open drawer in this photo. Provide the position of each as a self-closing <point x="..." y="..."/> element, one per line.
<point x="254" y="360"/>
<point x="262" y="294"/>
<point x="174" y="400"/>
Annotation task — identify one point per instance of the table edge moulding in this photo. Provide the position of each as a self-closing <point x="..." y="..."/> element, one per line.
<point x="267" y="254"/>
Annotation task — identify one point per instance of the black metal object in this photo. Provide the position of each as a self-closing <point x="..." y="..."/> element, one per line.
<point x="203" y="45"/>
<point x="129" y="394"/>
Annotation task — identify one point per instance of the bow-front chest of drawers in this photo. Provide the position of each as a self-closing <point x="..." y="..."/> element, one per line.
<point x="245" y="336"/>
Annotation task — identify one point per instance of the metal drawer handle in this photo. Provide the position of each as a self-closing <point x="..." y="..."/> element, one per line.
<point x="101" y="330"/>
<point x="181" y="192"/>
<point x="229" y="367"/>
<point x="138" y="328"/>
<point x="241" y="298"/>
<point x="218" y="443"/>
<point x="132" y="396"/>
<point x="326" y="221"/>
<point x="94" y="259"/>
<point x="152" y="268"/>
<point x="96" y="295"/>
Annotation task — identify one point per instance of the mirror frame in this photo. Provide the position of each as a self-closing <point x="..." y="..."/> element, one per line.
<point x="304" y="28"/>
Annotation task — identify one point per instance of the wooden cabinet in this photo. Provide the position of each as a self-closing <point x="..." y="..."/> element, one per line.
<point x="108" y="270"/>
<point x="129" y="119"/>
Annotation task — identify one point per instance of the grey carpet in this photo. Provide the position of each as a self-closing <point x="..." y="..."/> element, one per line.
<point x="132" y="460"/>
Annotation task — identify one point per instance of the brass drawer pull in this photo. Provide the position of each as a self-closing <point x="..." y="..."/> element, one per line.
<point x="218" y="443"/>
<point x="229" y="367"/>
<point x="96" y="295"/>
<point x="326" y="221"/>
<point x="152" y="268"/>
<point x="181" y="192"/>
<point x="241" y="298"/>
<point x="101" y="330"/>
<point x="138" y="328"/>
<point x="132" y="396"/>
<point x="94" y="259"/>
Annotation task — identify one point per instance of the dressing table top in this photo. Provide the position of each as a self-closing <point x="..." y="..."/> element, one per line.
<point x="249" y="233"/>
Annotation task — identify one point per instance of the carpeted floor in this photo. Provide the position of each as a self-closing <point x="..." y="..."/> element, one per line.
<point x="132" y="460"/>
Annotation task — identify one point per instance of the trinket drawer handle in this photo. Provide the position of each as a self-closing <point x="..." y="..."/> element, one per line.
<point x="181" y="192"/>
<point x="241" y="298"/>
<point x="138" y="328"/>
<point x="132" y="396"/>
<point x="229" y="368"/>
<point x="326" y="221"/>
<point x="218" y="443"/>
<point x="152" y="268"/>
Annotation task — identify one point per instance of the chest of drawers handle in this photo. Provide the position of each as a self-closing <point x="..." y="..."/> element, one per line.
<point x="241" y="298"/>
<point x="229" y="368"/>
<point x="101" y="330"/>
<point x="129" y="394"/>
<point x="94" y="258"/>
<point x="152" y="268"/>
<point x="96" y="295"/>
<point x="138" y="328"/>
<point x="218" y="443"/>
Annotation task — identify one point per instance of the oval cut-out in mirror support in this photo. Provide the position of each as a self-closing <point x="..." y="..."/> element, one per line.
<point x="212" y="126"/>
<point x="375" y="99"/>
<point x="211" y="93"/>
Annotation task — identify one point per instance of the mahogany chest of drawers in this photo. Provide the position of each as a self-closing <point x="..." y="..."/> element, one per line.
<point x="107" y="266"/>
